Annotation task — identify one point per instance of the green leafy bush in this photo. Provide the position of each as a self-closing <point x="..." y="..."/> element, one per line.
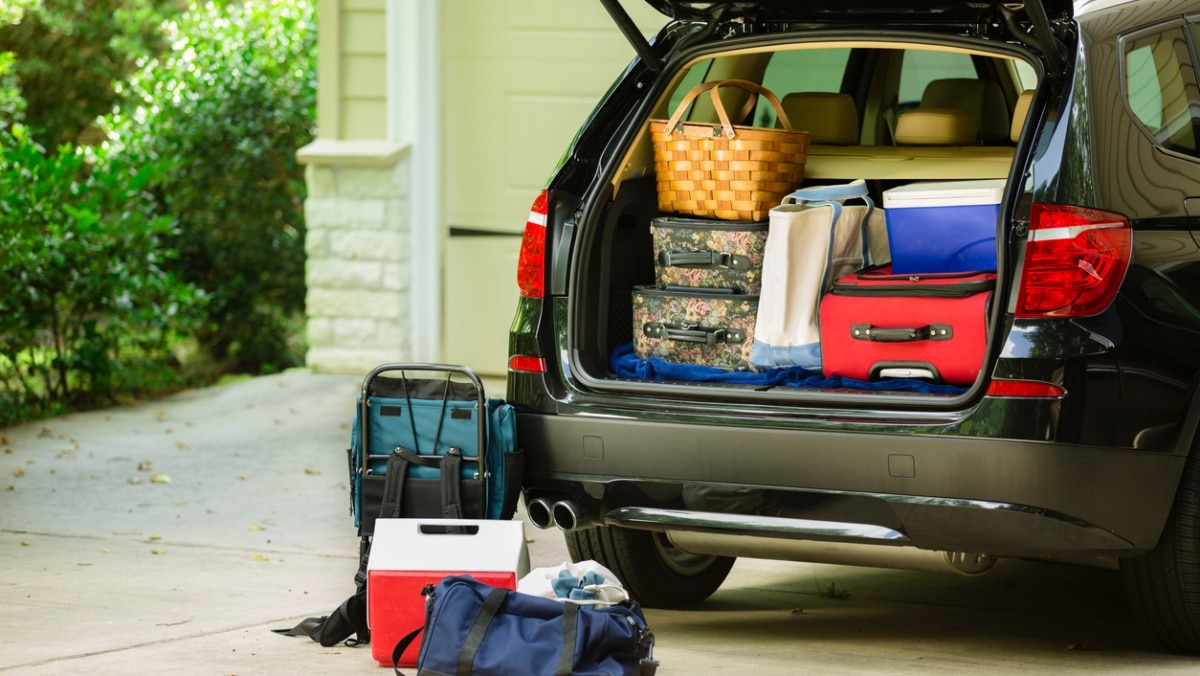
<point x="71" y="53"/>
<point x="89" y="313"/>
<point x="226" y="110"/>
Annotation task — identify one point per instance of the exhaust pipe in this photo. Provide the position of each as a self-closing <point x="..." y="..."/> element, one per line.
<point x="539" y="511"/>
<point x="568" y="517"/>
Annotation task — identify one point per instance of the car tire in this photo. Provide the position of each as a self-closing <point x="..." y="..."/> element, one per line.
<point x="655" y="573"/>
<point x="1163" y="586"/>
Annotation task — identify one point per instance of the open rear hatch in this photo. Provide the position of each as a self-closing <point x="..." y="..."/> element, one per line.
<point x="619" y="291"/>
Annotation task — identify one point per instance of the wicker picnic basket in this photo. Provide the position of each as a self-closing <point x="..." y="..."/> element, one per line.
<point x="726" y="171"/>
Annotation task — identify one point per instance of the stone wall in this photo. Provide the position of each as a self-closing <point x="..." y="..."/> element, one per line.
<point x="358" y="246"/>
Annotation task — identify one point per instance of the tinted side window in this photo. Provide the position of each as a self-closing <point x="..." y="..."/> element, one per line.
<point x="1161" y="88"/>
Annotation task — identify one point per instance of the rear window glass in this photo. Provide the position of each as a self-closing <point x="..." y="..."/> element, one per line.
<point x="1161" y="89"/>
<point x="922" y="67"/>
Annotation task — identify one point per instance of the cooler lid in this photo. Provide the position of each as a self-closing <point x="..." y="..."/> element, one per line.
<point x="944" y="194"/>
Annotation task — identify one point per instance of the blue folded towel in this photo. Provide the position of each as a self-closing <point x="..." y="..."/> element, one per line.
<point x="626" y="364"/>
<point x="567" y="586"/>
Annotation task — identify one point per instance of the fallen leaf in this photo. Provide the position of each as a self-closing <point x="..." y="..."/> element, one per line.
<point x="8" y="451"/>
<point x="10" y="488"/>
<point x="180" y="445"/>
<point x="145" y="466"/>
<point x="160" y="415"/>
<point x="309" y="470"/>
<point x="135" y="480"/>
<point x="160" y="478"/>
<point x="53" y="471"/>
<point x="180" y="503"/>
<point x="242" y="477"/>
<point x="169" y="430"/>
<point x="3" y="441"/>
<point x="256" y="526"/>
<point x="797" y="611"/>
<point x="105" y="550"/>
<point x="157" y="552"/>
<point x="46" y="432"/>
<point x="24" y="543"/>
<point x="18" y="472"/>
<point x="260" y="557"/>
<point x="154" y="538"/>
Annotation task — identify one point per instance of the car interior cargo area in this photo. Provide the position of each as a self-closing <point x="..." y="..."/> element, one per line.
<point x="818" y="216"/>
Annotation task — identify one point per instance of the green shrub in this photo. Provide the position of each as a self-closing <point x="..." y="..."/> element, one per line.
<point x="226" y="111"/>
<point x="89" y="313"/>
<point x="72" y="53"/>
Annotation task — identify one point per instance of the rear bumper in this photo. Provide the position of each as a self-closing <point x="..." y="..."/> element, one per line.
<point x="995" y="496"/>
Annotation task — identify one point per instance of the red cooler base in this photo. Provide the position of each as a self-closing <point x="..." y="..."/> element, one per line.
<point x="408" y="554"/>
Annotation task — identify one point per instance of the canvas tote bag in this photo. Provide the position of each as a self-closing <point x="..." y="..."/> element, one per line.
<point x="814" y="238"/>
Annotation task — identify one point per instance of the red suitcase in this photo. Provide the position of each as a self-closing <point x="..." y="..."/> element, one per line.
<point x="876" y="324"/>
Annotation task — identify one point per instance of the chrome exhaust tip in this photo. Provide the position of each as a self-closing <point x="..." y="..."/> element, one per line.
<point x="539" y="511"/>
<point x="568" y="517"/>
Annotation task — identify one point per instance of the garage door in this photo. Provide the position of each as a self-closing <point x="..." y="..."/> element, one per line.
<point x="518" y="78"/>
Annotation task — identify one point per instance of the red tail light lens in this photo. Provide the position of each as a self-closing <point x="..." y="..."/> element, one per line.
<point x="1075" y="261"/>
<point x="531" y="266"/>
<point x="1034" y="389"/>
<point x="526" y="364"/>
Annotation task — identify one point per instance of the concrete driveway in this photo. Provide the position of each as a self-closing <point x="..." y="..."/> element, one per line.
<point x="172" y="536"/>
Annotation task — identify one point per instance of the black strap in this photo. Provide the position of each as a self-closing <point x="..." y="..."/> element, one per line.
<point x="566" y="659"/>
<point x="401" y="646"/>
<point x="451" y="475"/>
<point x="474" y="639"/>
<point x="392" y="503"/>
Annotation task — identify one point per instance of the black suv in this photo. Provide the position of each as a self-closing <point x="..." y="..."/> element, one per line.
<point x="1076" y="443"/>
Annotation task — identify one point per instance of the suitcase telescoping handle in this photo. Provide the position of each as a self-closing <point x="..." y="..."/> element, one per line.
<point x="906" y="335"/>
<point x="448" y="369"/>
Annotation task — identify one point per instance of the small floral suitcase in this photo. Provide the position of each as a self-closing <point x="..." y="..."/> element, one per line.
<point x="708" y="253"/>
<point x="708" y="327"/>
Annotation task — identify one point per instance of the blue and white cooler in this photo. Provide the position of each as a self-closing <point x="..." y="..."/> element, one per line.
<point x="943" y="227"/>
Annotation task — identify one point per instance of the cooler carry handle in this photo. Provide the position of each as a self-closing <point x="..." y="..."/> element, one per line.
<point x="902" y="335"/>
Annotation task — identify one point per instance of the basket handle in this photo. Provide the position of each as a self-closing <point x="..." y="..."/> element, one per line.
<point x="751" y="87"/>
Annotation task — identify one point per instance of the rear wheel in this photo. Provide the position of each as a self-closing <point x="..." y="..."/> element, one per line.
<point x="656" y="574"/>
<point x="1163" y="586"/>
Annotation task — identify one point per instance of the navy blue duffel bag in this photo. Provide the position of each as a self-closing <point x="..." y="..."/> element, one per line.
<point x="475" y="629"/>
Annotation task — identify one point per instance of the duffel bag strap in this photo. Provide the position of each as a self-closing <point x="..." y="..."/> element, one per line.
<point x="566" y="660"/>
<point x="401" y="646"/>
<point x="479" y="626"/>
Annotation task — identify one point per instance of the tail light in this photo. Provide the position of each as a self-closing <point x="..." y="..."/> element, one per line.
<point x="1025" y="389"/>
<point x="1075" y="261"/>
<point x="531" y="265"/>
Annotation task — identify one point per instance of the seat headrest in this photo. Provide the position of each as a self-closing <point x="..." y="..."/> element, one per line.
<point x="1020" y="112"/>
<point x="828" y="117"/>
<point x="936" y="127"/>
<point x="983" y="98"/>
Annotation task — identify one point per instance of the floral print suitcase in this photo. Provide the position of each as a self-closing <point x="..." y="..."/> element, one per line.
<point x="708" y="253"/>
<point x="709" y="327"/>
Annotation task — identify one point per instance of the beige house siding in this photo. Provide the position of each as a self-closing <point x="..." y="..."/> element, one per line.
<point x="357" y="212"/>
<point x="426" y="107"/>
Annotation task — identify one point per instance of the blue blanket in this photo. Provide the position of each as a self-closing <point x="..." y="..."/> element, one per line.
<point x="626" y="364"/>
